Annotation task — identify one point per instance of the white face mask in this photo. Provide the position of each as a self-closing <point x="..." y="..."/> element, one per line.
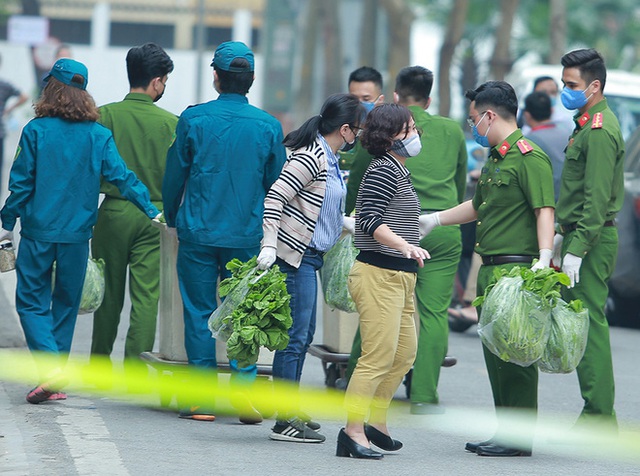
<point x="407" y="147"/>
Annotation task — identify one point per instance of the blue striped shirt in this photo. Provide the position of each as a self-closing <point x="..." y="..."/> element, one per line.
<point x="329" y="225"/>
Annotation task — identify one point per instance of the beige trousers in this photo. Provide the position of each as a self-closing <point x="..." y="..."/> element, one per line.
<point x="384" y="299"/>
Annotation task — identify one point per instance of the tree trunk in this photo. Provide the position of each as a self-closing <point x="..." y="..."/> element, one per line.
<point x="304" y="100"/>
<point x="400" y="18"/>
<point x="332" y="41"/>
<point x="501" y="62"/>
<point x="368" y="33"/>
<point x="557" y="30"/>
<point x="452" y="38"/>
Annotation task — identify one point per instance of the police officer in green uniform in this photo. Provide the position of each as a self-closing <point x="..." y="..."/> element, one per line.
<point x="439" y="175"/>
<point x="122" y="236"/>
<point x="591" y="195"/>
<point x="513" y="209"/>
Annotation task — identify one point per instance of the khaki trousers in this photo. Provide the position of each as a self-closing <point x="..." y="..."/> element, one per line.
<point x="385" y="302"/>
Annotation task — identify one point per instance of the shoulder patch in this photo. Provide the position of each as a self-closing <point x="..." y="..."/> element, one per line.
<point x="596" y="123"/>
<point x="524" y="146"/>
<point x="584" y="119"/>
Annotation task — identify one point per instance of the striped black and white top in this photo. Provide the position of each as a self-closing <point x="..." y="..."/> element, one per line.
<point x="386" y="196"/>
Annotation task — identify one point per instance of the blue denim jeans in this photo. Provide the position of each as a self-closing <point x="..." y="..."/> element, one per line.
<point x="302" y="285"/>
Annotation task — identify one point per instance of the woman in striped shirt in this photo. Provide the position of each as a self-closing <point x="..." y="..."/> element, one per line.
<point x="383" y="279"/>
<point x="303" y="218"/>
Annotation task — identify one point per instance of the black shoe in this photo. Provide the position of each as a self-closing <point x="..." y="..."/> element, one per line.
<point x="449" y="361"/>
<point x="347" y="447"/>
<point x="296" y="431"/>
<point x="382" y="441"/>
<point x="472" y="447"/>
<point x="497" y="450"/>
<point x="314" y="425"/>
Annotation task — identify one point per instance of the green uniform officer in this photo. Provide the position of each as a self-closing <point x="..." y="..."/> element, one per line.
<point x="513" y="209"/>
<point x="122" y="237"/>
<point x="439" y="175"/>
<point x="591" y="195"/>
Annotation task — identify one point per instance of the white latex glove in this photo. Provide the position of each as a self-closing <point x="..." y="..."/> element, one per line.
<point x="544" y="261"/>
<point x="557" y="249"/>
<point x="571" y="267"/>
<point x="6" y="235"/>
<point x="428" y="223"/>
<point x="266" y="257"/>
<point x="349" y="224"/>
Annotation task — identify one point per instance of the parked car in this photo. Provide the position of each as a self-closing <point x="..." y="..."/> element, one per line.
<point x="623" y="305"/>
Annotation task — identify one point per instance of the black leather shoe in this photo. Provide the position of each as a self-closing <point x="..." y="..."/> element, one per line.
<point x="449" y="361"/>
<point x="347" y="447"/>
<point x="382" y="441"/>
<point x="497" y="450"/>
<point x="472" y="447"/>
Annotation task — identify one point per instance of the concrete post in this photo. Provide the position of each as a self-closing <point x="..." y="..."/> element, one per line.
<point x="100" y="25"/>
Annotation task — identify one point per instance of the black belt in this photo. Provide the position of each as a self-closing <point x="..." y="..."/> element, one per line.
<point x="316" y="251"/>
<point x="572" y="226"/>
<point x="507" y="259"/>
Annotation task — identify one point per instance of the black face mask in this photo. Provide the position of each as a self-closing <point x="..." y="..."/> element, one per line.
<point x="157" y="98"/>
<point x="347" y="147"/>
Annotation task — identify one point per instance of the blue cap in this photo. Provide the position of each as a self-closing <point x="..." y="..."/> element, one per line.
<point x="65" y="69"/>
<point x="230" y="50"/>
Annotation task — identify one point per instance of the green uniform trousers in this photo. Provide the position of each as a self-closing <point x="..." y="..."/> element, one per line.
<point x="124" y="237"/>
<point x="434" y="289"/>
<point x="512" y="386"/>
<point x="595" y="371"/>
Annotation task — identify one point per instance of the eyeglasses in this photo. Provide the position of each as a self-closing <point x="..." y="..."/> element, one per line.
<point x="471" y="119"/>
<point x="358" y="130"/>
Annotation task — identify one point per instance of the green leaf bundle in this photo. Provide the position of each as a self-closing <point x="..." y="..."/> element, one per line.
<point x="334" y="274"/>
<point x="93" y="287"/>
<point x="255" y="312"/>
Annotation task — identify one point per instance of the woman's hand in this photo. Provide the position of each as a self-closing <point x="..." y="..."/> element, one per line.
<point x="417" y="253"/>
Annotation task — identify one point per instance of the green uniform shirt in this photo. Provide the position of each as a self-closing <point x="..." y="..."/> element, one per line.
<point x="592" y="183"/>
<point x="439" y="172"/>
<point x="359" y="160"/>
<point x="516" y="180"/>
<point x="143" y="133"/>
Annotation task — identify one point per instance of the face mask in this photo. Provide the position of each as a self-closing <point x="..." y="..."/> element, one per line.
<point x="407" y="147"/>
<point x="368" y="106"/>
<point x="347" y="146"/>
<point x="481" y="140"/>
<point x="574" y="99"/>
<point x="158" y="96"/>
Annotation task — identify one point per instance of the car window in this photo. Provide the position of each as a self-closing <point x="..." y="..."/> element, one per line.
<point x="627" y="110"/>
<point x="632" y="153"/>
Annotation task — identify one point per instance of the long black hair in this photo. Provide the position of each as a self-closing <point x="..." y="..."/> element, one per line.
<point x="337" y="110"/>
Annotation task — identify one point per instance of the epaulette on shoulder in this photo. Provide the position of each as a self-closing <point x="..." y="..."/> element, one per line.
<point x="524" y="146"/>
<point x="597" y="121"/>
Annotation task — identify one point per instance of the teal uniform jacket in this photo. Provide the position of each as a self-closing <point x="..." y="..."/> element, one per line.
<point x="591" y="195"/>
<point x="55" y="180"/>
<point x="213" y="194"/>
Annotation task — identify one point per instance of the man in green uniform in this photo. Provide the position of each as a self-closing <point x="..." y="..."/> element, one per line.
<point x="513" y="209"/>
<point x="439" y="175"/>
<point x="122" y="236"/>
<point x="591" y="195"/>
<point x="365" y="83"/>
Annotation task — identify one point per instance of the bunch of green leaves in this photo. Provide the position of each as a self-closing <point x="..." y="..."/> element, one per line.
<point x="93" y="287"/>
<point x="544" y="283"/>
<point x="334" y="274"/>
<point x="262" y="318"/>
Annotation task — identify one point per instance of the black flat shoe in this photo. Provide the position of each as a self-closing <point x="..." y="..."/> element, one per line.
<point x="347" y="447"/>
<point x="472" y="447"/>
<point x="382" y="441"/>
<point x="497" y="450"/>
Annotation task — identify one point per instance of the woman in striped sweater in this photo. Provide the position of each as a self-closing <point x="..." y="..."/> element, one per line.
<point x="303" y="218"/>
<point x="383" y="279"/>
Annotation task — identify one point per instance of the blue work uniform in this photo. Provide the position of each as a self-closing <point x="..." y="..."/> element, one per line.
<point x="54" y="188"/>
<point x="225" y="157"/>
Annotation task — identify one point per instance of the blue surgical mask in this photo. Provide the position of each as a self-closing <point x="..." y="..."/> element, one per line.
<point x="368" y="106"/>
<point x="481" y="140"/>
<point x="572" y="99"/>
<point x="409" y="147"/>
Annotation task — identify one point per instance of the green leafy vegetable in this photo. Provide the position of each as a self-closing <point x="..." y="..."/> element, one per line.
<point x="568" y="338"/>
<point x="255" y="312"/>
<point x="93" y="287"/>
<point x="334" y="274"/>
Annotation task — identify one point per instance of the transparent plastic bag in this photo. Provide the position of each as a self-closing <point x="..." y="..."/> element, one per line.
<point x="93" y="287"/>
<point x="567" y="340"/>
<point x="220" y="323"/>
<point x="514" y="324"/>
<point x="334" y="274"/>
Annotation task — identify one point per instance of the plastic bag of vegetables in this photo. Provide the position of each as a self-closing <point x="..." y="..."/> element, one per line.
<point x="334" y="274"/>
<point x="93" y="287"/>
<point x="568" y="338"/>
<point x="255" y="312"/>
